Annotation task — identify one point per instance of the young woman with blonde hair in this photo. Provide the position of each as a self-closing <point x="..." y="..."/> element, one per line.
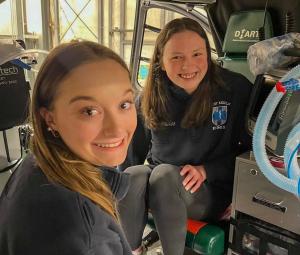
<point x="62" y="199"/>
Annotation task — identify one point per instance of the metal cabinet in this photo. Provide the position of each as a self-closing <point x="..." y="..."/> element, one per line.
<point x="265" y="219"/>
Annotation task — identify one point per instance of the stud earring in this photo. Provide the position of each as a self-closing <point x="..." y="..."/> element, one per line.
<point x="53" y="132"/>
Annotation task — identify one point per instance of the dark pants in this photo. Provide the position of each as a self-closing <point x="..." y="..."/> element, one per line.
<point x="160" y="189"/>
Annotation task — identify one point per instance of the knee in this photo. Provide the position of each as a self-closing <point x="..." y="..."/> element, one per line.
<point x="164" y="176"/>
<point x="139" y="176"/>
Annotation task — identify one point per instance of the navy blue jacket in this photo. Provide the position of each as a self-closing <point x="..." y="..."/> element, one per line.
<point x="41" y="218"/>
<point x="213" y="144"/>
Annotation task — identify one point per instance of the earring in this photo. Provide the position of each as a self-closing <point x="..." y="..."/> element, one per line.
<point x="53" y="132"/>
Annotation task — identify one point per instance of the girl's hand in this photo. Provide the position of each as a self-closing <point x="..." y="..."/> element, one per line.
<point x="194" y="176"/>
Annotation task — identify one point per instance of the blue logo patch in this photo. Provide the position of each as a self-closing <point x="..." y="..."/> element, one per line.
<point x="219" y="115"/>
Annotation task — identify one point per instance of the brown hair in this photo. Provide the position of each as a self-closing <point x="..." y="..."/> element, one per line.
<point x="155" y="94"/>
<point x="55" y="159"/>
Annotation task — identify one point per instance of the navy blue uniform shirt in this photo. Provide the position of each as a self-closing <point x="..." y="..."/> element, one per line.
<point x="41" y="218"/>
<point x="214" y="144"/>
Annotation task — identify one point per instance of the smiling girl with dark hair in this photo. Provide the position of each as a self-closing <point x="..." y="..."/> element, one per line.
<point x="191" y="121"/>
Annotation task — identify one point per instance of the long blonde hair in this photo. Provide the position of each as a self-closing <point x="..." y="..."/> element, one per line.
<point x="56" y="160"/>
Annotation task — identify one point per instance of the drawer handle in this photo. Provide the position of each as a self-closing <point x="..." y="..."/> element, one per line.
<point x="253" y="171"/>
<point x="268" y="203"/>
